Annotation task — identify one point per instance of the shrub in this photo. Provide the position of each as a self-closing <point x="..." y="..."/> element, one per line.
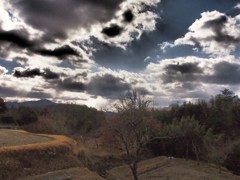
<point x="7" y="119"/>
<point x="25" y="115"/>
<point x="181" y="139"/>
<point x="232" y="161"/>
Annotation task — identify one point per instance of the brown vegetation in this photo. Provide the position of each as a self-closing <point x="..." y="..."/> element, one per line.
<point x="37" y="158"/>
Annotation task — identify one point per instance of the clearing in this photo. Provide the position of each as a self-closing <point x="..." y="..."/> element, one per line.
<point x="17" y="138"/>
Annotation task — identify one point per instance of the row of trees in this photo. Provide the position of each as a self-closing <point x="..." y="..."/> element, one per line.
<point x="205" y="131"/>
<point x="60" y="118"/>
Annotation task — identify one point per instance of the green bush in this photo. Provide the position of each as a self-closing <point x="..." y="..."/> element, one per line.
<point x="185" y="138"/>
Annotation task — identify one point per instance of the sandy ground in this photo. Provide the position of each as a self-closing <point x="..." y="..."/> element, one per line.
<point x="18" y="138"/>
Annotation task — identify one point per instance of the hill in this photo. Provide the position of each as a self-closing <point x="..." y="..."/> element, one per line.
<point x="164" y="168"/>
<point x="42" y="102"/>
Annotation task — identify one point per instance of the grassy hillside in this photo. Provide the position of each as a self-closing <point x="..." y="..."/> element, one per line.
<point x="164" y="168"/>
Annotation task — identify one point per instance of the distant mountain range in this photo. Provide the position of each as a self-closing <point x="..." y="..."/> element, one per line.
<point x="42" y="102"/>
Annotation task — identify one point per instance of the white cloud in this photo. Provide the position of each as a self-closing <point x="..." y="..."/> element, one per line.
<point x="3" y="70"/>
<point x="237" y="6"/>
<point x="143" y="21"/>
<point x="215" y="32"/>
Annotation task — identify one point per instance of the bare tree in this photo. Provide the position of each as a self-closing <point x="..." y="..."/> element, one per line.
<point x="131" y="127"/>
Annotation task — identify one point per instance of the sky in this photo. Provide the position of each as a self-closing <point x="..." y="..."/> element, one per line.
<point x="92" y="52"/>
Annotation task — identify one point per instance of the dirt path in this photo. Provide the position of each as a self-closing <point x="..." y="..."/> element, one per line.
<point x="17" y="138"/>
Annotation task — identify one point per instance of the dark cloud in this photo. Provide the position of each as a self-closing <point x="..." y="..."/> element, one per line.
<point x="27" y="73"/>
<point x="107" y="86"/>
<point x="14" y="40"/>
<point x="181" y="72"/>
<point x="56" y="17"/>
<point x="70" y="84"/>
<point x="224" y="73"/>
<point x="38" y="95"/>
<point x="60" y="52"/>
<point x="186" y="68"/>
<point x="15" y="37"/>
<point x="20" y="39"/>
<point x="112" y="31"/>
<point x="31" y="73"/>
<point x="189" y="90"/>
<point x="128" y="16"/>
<point x="48" y="74"/>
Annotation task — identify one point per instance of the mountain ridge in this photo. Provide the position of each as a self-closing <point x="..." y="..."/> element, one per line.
<point x="37" y="103"/>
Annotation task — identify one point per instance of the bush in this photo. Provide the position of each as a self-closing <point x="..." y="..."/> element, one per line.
<point x="181" y="139"/>
<point x="232" y="161"/>
<point x="7" y="119"/>
<point x="25" y="115"/>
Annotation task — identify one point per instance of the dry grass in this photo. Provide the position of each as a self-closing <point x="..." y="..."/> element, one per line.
<point x="166" y="168"/>
<point x="55" y="152"/>
<point x="22" y="140"/>
<point x="17" y="138"/>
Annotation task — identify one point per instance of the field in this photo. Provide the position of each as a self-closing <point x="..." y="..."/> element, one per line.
<point x="23" y="154"/>
<point x="17" y="138"/>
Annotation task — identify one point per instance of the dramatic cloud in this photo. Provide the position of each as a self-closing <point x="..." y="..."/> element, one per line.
<point x="128" y="16"/>
<point x="60" y="52"/>
<point x="27" y="73"/>
<point x="181" y="72"/>
<point x="113" y="30"/>
<point x="48" y="74"/>
<point x="107" y="86"/>
<point x="31" y="73"/>
<point x="92" y="52"/>
<point x="198" y="70"/>
<point x="15" y="37"/>
<point x="69" y="84"/>
<point x="56" y="17"/>
<point x="225" y="73"/>
<point x="214" y="32"/>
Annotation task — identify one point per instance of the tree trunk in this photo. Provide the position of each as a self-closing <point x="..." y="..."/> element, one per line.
<point x="134" y="171"/>
<point x="187" y="152"/>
